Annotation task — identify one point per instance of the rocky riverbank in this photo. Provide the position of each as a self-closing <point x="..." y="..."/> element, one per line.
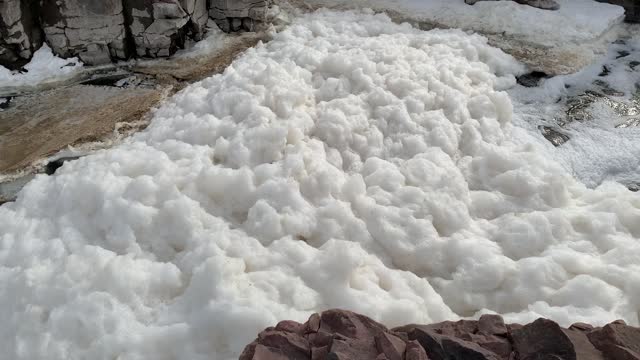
<point x="102" y="31"/>
<point x="344" y="335"/>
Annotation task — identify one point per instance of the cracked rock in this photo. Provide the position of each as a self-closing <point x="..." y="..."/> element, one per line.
<point x="159" y="27"/>
<point x="235" y="15"/>
<point x="90" y="29"/>
<point x="20" y="35"/>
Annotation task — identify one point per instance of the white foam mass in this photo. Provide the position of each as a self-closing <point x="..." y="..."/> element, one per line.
<point x="350" y="162"/>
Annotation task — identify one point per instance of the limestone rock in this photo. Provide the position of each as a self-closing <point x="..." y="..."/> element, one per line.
<point x="234" y="15"/>
<point x="159" y="27"/>
<point x="20" y="35"/>
<point x="91" y="29"/>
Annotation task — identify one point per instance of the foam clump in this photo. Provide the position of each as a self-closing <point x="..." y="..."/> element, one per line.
<point x="350" y="162"/>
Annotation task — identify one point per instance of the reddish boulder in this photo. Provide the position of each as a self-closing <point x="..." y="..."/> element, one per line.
<point x="391" y="346"/>
<point x="415" y="352"/>
<point x="544" y="339"/>
<point x="618" y="334"/>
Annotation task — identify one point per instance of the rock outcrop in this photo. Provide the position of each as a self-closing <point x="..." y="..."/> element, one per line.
<point x="20" y="35"/>
<point x="234" y="15"/>
<point x="101" y="31"/>
<point x="159" y="28"/>
<point x="344" y="335"/>
<point x="90" y="29"/>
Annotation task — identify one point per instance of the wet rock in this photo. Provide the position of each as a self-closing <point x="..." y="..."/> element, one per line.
<point x="605" y="71"/>
<point x="532" y="79"/>
<point x="634" y="187"/>
<point x="20" y="35"/>
<point x="54" y="165"/>
<point x="607" y="90"/>
<point x="107" y="79"/>
<point x="622" y="54"/>
<point x="5" y="103"/>
<point x="633" y="122"/>
<point x="542" y="4"/>
<point x="91" y="29"/>
<point x="618" y="334"/>
<point x="235" y="15"/>
<point x="634" y="64"/>
<point x="544" y="339"/>
<point x="554" y="136"/>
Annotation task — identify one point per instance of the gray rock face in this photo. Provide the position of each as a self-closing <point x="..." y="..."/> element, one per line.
<point x="91" y="29"/>
<point x="159" y="27"/>
<point x="20" y="35"/>
<point x="234" y="15"/>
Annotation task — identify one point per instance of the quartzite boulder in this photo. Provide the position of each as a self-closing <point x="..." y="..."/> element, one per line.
<point x="91" y="29"/>
<point x="20" y="35"/>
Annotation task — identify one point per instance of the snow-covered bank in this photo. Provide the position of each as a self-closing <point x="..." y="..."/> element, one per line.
<point x="532" y="35"/>
<point x="44" y="67"/>
<point x="350" y="162"/>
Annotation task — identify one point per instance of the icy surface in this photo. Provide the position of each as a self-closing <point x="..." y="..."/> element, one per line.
<point x="44" y="67"/>
<point x="580" y="20"/>
<point x="350" y="162"/>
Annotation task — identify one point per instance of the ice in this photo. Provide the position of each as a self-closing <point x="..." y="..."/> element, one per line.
<point x="350" y="162"/>
<point x="44" y="67"/>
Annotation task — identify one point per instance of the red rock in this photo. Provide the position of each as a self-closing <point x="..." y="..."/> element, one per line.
<point x="443" y="347"/>
<point x="249" y="351"/>
<point x="290" y="344"/>
<point x="352" y="349"/>
<point x="464" y="350"/>
<point x="391" y="346"/>
<point x="290" y="326"/>
<point x="457" y="328"/>
<point x="265" y="353"/>
<point x="319" y="353"/>
<point x="415" y="352"/>
<point x="496" y="344"/>
<point x="616" y="352"/>
<point x="313" y="324"/>
<point x="319" y="339"/>
<point x="581" y="327"/>
<point x="349" y="324"/>
<point x="616" y="333"/>
<point x="544" y="338"/>
<point x="492" y="325"/>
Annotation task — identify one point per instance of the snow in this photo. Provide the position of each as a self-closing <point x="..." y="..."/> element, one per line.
<point x="44" y="67"/>
<point x="350" y="162"/>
